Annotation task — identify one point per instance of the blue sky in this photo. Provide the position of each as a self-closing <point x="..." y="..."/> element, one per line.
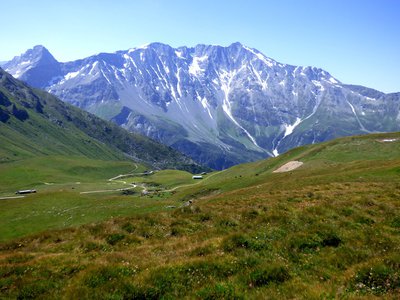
<point x="357" y="41"/>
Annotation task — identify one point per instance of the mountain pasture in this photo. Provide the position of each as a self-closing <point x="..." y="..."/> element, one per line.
<point x="329" y="229"/>
<point x="73" y="191"/>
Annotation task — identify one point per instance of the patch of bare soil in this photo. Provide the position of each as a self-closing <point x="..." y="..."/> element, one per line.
<point x="291" y="165"/>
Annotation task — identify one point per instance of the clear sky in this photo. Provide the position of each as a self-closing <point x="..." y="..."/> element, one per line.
<point x="357" y="41"/>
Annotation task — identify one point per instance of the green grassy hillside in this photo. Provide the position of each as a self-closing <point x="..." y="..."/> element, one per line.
<point x="34" y="123"/>
<point x="329" y="229"/>
<point x="76" y="190"/>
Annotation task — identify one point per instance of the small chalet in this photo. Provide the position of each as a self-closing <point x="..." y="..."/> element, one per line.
<point x="21" y="192"/>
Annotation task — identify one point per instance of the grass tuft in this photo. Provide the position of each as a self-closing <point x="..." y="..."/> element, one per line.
<point x="270" y="274"/>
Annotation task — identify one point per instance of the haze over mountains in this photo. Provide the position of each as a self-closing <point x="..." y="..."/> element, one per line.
<point x="219" y="105"/>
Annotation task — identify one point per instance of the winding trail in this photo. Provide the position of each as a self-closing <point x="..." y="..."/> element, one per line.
<point x="192" y="184"/>
<point x="125" y="175"/>
<point x="12" y="197"/>
<point x="105" y="191"/>
<point x="132" y="186"/>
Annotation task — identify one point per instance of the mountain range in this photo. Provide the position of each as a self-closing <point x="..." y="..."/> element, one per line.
<point x="219" y="105"/>
<point x="35" y="123"/>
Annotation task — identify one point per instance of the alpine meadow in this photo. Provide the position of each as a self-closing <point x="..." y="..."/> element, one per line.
<point x="200" y="150"/>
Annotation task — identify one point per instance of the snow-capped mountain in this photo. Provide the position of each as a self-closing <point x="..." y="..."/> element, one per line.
<point x="219" y="105"/>
<point x="36" y="66"/>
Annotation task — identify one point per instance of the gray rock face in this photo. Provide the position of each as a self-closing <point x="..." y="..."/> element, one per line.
<point x="36" y="67"/>
<point x="219" y="105"/>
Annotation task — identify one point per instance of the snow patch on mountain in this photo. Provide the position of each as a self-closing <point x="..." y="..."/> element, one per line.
<point x="263" y="83"/>
<point x="206" y="106"/>
<point x="226" y="82"/>
<point x="178" y="54"/>
<point x="289" y="128"/>
<point x="210" y="97"/>
<point x="195" y="68"/>
<point x="269" y="62"/>
<point x="356" y="116"/>
<point x="333" y="80"/>
<point x="318" y="85"/>
<point x="17" y="74"/>
<point x="71" y="75"/>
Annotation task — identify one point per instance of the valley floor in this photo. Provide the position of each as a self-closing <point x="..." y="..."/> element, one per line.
<point x="328" y="229"/>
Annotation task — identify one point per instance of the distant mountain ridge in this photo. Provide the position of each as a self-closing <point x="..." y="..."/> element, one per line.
<point x="219" y="105"/>
<point x="33" y="122"/>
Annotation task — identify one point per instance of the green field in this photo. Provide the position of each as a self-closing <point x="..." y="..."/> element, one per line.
<point x="329" y="229"/>
<point x="73" y="191"/>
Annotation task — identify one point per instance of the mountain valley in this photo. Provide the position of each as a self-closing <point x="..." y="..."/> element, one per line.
<point x="219" y="105"/>
<point x="92" y="211"/>
<point x="328" y="229"/>
<point x="35" y="123"/>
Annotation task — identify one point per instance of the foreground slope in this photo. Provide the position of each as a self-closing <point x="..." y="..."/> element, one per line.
<point x="35" y="123"/>
<point x="328" y="229"/>
<point x="220" y="105"/>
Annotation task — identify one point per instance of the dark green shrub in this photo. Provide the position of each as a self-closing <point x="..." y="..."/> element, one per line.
<point x="90" y="246"/>
<point x="128" y="227"/>
<point x="305" y="243"/>
<point x="145" y="233"/>
<point x="347" y="211"/>
<point x="331" y="240"/>
<point x="267" y="275"/>
<point x="96" y="229"/>
<point x="364" y="220"/>
<point x="114" y="238"/>
<point x="248" y="262"/>
<point x="6" y="284"/>
<point x="100" y="277"/>
<point x="308" y="243"/>
<point x="128" y="192"/>
<point x="395" y="222"/>
<point x="310" y="195"/>
<point x="177" y="231"/>
<point x="236" y="241"/>
<point x="250" y="215"/>
<point x="240" y="241"/>
<point x="204" y="217"/>
<point x="35" y="289"/>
